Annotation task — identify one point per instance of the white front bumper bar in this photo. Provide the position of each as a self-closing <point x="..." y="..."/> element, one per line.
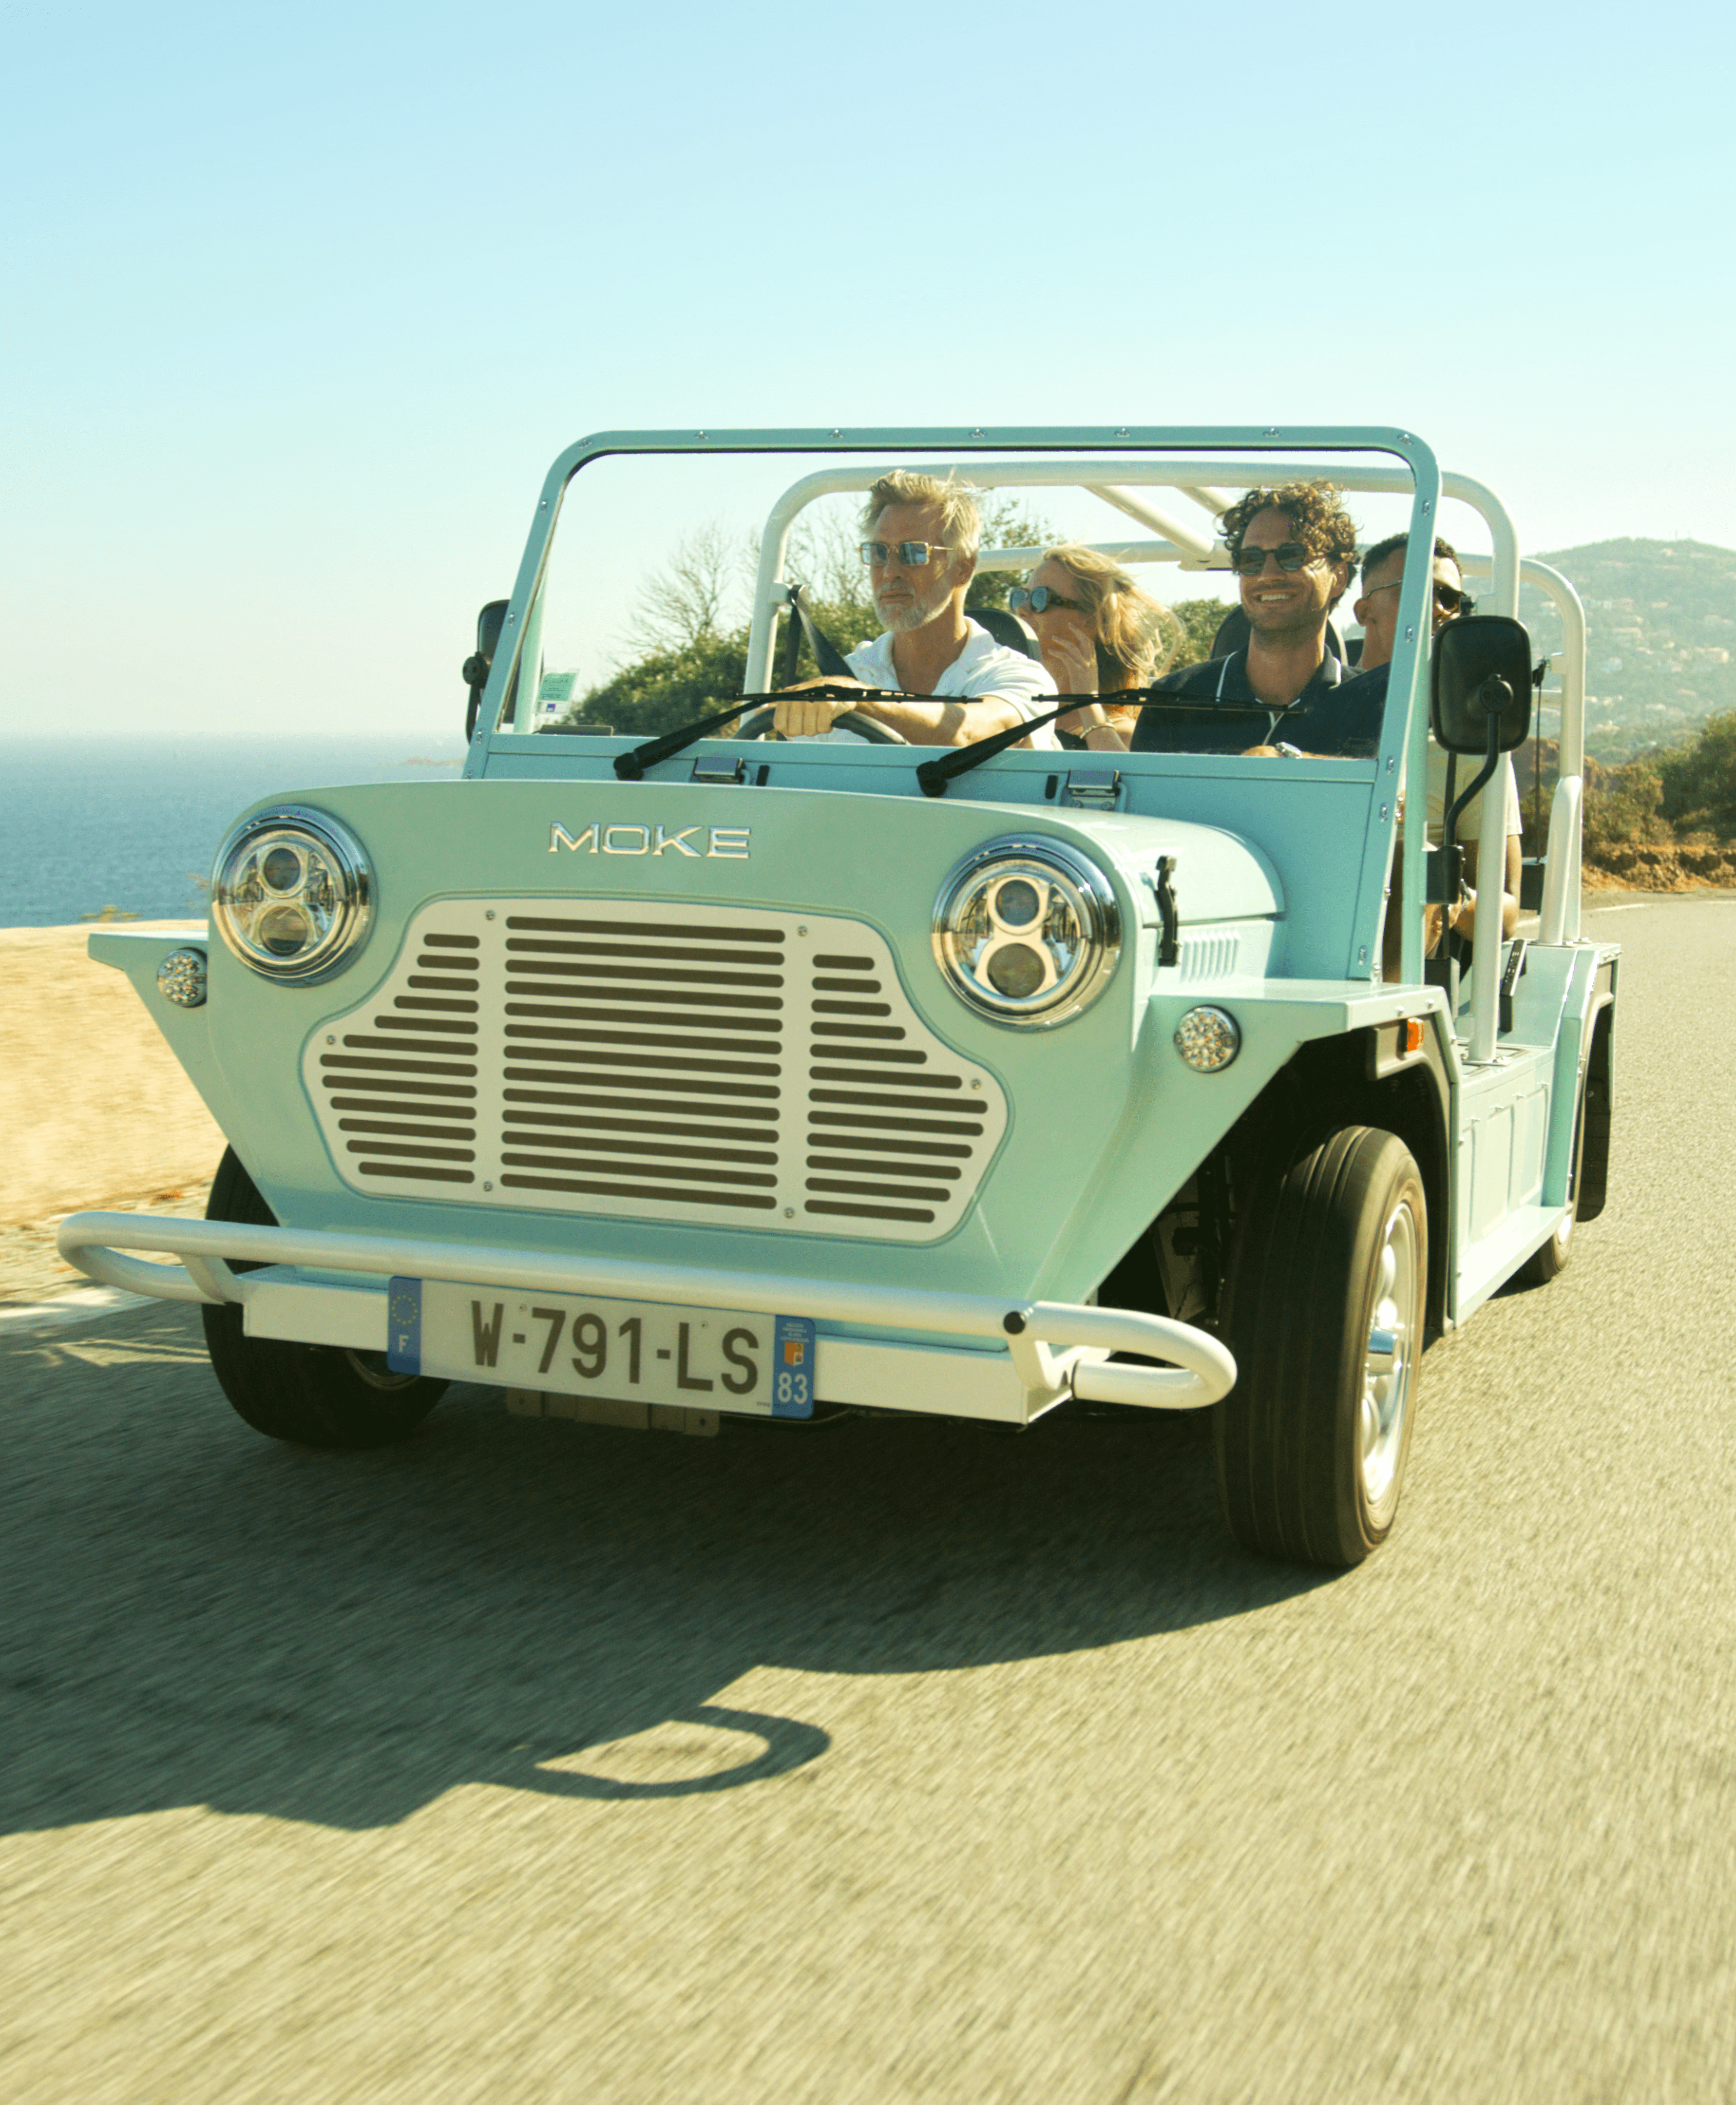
<point x="1029" y="1378"/>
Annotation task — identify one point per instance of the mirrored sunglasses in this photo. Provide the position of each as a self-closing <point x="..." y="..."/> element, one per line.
<point x="1022" y="597"/>
<point x="913" y="555"/>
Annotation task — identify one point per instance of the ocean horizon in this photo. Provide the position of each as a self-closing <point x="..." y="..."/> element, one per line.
<point x="127" y="827"/>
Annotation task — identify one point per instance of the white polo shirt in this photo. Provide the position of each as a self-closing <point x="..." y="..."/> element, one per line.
<point x="1470" y="818"/>
<point x="983" y="667"/>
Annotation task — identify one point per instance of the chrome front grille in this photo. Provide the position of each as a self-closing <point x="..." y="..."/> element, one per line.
<point x="878" y="1147"/>
<point x="630" y="1071"/>
<point x="405" y="1092"/>
<point x="729" y="1067"/>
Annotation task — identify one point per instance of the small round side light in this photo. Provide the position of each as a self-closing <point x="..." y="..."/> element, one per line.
<point x="1208" y="1039"/>
<point x="180" y="978"/>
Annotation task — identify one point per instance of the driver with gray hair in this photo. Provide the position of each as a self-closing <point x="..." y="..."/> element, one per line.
<point x="924" y="536"/>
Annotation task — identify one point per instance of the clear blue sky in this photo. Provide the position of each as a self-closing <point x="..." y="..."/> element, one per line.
<point x="304" y="300"/>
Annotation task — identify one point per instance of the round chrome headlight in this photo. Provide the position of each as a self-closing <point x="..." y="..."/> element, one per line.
<point x="1027" y="932"/>
<point x="291" y="894"/>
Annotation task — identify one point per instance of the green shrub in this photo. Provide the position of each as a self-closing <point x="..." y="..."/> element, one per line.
<point x="1201" y="620"/>
<point x="1621" y="805"/>
<point x="667" y="689"/>
<point x="1698" y="782"/>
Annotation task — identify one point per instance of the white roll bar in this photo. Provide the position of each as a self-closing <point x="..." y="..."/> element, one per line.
<point x="1208" y="483"/>
<point x="1561" y="879"/>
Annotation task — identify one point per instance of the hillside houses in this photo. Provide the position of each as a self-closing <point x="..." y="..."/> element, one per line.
<point x="1661" y="630"/>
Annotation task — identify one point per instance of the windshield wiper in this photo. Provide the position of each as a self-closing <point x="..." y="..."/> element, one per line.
<point x="630" y="766"/>
<point x="934" y="774"/>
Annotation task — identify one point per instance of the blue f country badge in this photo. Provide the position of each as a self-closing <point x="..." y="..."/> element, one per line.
<point x="403" y="1326"/>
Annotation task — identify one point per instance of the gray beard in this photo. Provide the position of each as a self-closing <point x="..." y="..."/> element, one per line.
<point x="902" y="620"/>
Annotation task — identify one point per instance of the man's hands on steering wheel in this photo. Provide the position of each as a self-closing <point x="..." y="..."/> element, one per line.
<point x="816" y="707"/>
<point x="762" y="723"/>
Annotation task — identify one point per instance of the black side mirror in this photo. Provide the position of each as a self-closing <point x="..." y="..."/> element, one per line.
<point x="475" y="674"/>
<point x="1481" y="675"/>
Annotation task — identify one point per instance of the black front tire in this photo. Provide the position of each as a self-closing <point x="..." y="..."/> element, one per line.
<point x="316" y="1396"/>
<point x="1324" y="1309"/>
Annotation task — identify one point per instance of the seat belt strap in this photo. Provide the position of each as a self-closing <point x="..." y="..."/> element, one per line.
<point x="832" y="663"/>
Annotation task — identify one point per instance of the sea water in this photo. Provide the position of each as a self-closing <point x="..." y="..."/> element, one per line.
<point x="130" y="825"/>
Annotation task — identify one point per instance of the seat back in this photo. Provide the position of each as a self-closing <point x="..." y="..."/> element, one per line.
<point x="1006" y="627"/>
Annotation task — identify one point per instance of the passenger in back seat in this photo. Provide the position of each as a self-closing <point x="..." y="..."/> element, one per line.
<point x="1378" y="609"/>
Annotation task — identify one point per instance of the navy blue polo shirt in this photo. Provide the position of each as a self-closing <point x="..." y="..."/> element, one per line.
<point x="1338" y="714"/>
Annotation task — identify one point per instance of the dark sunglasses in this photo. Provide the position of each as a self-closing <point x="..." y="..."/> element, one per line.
<point x="913" y="555"/>
<point x="1290" y="556"/>
<point x="1021" y="596"/>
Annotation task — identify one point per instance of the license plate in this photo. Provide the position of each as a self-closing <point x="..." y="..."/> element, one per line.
<point x="627" y="1352"/>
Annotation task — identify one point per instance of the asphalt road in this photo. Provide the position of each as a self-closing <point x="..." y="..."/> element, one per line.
<point x="536" y="1762"/>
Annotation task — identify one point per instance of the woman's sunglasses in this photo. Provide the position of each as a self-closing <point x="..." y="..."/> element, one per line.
<point x="1021" y="596"/>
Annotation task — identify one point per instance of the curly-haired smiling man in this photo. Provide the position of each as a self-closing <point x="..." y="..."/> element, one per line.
<point x="1294" y="551"/>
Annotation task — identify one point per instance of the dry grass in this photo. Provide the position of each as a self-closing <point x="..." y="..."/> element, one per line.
<point x="32" y="1269"/>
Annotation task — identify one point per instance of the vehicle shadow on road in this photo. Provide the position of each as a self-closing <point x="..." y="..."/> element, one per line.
<point x="196" y="1615"/>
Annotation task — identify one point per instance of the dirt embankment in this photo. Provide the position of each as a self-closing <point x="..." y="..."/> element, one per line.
<point x="1661" y="866"/>
<point x="1624" y="860"/>
<point x="95" y="1108"/>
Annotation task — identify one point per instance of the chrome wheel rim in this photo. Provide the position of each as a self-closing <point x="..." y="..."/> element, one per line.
<point x="1395" y="1338"/>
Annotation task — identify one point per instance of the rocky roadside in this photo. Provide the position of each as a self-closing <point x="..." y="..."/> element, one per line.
<point x="1645" y="866"/>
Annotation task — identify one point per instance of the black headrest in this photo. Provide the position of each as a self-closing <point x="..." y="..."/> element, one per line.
<point x="1006" y="628"/>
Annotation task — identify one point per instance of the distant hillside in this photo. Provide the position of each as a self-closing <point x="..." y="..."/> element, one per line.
<point x="1661" y="626"/>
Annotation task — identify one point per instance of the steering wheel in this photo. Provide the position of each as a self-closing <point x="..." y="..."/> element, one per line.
<point x="758" y="724"/>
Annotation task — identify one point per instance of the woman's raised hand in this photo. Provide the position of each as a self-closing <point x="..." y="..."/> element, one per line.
<point x="1069" y="657"/>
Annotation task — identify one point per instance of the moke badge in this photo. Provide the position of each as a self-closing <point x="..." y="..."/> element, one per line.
<point x="720" y="843"/>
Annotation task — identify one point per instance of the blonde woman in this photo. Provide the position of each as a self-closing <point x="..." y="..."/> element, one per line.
<point x="1098" y="634"/>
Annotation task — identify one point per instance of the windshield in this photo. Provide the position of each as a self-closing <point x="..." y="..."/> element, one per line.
<point x="1195" y="602"/>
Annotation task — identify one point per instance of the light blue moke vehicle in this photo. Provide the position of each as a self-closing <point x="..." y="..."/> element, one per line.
<point x="663" y="1083"/>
